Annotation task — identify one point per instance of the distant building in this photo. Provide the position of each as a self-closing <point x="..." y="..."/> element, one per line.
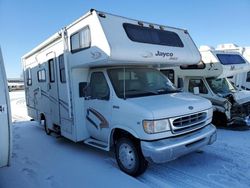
<point x="15" y="84"/>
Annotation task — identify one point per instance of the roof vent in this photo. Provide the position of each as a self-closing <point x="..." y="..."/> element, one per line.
<point x="102" y="15"/>
<point x="226" y="46"/>
<point x="140" y="23"/>
<point x="151" y="26"/>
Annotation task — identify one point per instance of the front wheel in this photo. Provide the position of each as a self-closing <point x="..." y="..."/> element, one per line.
<point x="129" y="157"/>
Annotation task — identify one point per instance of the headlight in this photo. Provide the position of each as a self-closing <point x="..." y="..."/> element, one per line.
<point x="152" y="127"/>
<point x="209" y="113"/>
<point x="226" y="105"/>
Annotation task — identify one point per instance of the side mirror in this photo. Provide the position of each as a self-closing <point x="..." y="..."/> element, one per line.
<point x="196" y="90"/>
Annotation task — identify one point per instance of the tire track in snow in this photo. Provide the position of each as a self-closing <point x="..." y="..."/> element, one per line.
<point x="161" y="176"/>
<point x="230" y="166"/>
<point x="20" y="113"/>
<point x="233" y="164"/>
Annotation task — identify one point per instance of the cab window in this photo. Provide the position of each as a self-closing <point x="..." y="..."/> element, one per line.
<point x="197" y="83"/>
<point x="98" y="87"/>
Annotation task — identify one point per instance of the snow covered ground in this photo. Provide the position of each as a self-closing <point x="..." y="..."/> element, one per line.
<point x="41" y="161"/>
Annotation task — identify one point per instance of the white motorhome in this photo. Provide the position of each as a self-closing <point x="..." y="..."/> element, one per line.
<point x="93" y="81"/>
<point x="5" y="118"/>
<point x="209" y="80"/>
<point x="242" y="80"/>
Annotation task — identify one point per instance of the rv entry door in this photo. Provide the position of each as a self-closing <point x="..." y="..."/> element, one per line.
<point x="53" y="91"/>
<point x="98" y="107"/>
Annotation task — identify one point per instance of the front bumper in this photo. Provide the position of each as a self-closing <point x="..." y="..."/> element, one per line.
<point x="240" y="121"/>
<point x="171" y="148"/>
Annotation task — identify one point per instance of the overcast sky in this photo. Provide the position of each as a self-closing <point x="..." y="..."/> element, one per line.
<point x="26" y="23"/>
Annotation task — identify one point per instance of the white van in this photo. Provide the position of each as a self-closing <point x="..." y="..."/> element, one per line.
<point x="5" y="118"/>
<point x="209" y="80"/>
<point x="94" y="82"/>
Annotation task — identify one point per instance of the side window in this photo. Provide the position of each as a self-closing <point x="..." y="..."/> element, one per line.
<point x="80" y="40"/>
<point x="51" y="70"/>
<point x="28" y="77"/>
<point x="169" y="73"/>
<point x="62" y="69"/>
<point x="152" y="35"/>
<point x="197" y="83"/>
<point x="248" y="77"/>
<point x="200" y="65"/>
<point x="41" y="76"/>
<point x="98" y="87"/>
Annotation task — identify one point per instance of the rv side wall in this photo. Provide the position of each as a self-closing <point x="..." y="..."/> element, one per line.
<point x="5" y="129"/>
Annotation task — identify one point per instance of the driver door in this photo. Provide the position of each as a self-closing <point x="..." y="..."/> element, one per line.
<point x="98" y="107"/>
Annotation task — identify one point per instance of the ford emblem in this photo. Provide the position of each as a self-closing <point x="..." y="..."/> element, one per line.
<point x="190" y="107"/>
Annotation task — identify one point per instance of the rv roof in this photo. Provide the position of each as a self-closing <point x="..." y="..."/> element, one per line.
<point x="206" y="48"/>
<point x="227" y="46"/>
<point x="101" y="13"/>
<point x="159" y="44"/>
<point x="58" y="34"/>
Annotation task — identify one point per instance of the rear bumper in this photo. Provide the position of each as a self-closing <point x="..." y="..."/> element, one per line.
<point x="171" y="148"/>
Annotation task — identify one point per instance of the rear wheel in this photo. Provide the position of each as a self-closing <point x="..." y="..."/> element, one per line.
<point x="129" y="157"/>
<point x="44" y="124"/>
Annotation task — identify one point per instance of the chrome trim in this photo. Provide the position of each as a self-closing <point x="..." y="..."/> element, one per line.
<point x="187" y="123"/>
<point x="168" y="149"/>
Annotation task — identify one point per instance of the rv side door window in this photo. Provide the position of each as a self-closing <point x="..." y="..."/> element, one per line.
<point x="197" y="83"/>
<point x="62" y="69"/>
<point x="28" y="77"/>
<point x="98" y="87"/>
<point x="51" y="71"/>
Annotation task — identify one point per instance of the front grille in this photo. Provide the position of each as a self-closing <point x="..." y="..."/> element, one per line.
<point x="240" y="110"/>
<point x="188" y="123"/>
<point x="187" y="120"/>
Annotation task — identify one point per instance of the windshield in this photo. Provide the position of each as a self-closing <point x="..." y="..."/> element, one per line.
<point x="221" y="85"/>
<point x="138" y="82"/>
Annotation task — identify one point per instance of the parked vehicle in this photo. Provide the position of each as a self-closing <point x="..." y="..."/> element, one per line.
<point x="5" y="118"/>
<point x="242" y="80"/>
<point x="94" y="81"/>
<point x="209" y="80"/>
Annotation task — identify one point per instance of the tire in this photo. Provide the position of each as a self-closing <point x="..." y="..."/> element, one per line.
<point x="129" y="157"/>
<point x="44" y="124"/>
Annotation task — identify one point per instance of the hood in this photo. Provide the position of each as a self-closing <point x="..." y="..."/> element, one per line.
<point x="171" y="105"/>
<point x="242" y="96"/>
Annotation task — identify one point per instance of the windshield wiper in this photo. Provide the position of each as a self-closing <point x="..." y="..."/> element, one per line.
<point x="167" y="91"/>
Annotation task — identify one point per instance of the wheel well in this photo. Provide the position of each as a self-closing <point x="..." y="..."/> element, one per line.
<point x="220" y="114"/>
<point x="219" y="117"/>
<point x="42" y="117"/>
<point x="119" y="133"/>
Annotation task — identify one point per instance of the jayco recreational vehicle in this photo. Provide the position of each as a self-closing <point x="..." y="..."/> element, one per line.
<point x="209" y="80"/>
<point x="93" y="81"/>
<point x="5" y="118"/>
<point x="242" y="80"/>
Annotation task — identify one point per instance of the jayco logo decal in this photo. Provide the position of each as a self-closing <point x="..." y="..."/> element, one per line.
<point x="164" y="54"/>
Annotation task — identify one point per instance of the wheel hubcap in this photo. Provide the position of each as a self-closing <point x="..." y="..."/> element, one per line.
<point x="127" y="156"/>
